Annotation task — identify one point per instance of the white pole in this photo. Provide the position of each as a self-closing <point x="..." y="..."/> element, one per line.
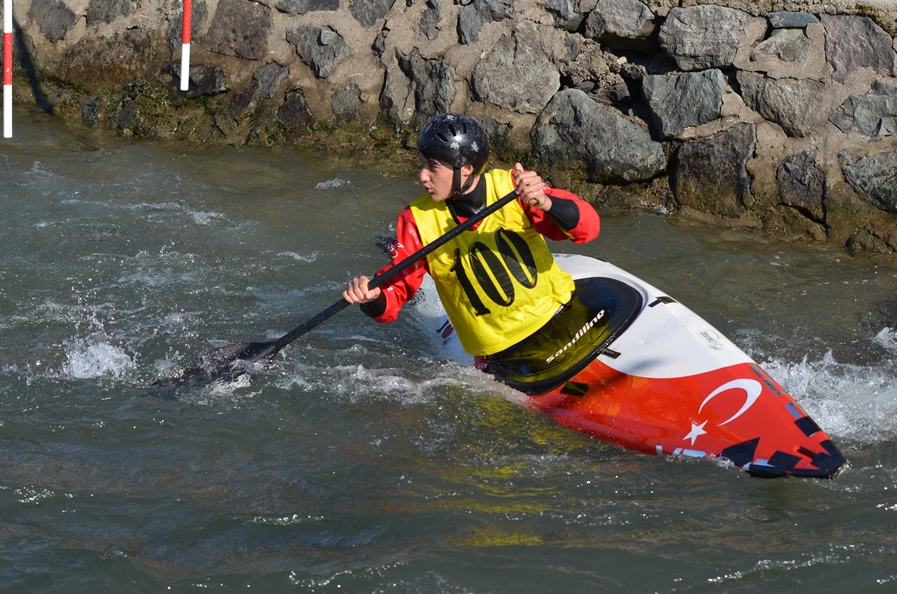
<point x="185" y="45"/>
<point x="7" y="68"/>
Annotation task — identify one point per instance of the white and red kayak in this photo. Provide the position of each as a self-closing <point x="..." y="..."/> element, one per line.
<point x="628" y="364"/>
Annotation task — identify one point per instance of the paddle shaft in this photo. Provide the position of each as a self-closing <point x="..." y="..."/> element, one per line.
<point x="388" y="274"/>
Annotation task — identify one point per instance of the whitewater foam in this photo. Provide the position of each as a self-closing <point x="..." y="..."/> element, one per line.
<point x="95" y="357"/>
<point x="855" y="402"/>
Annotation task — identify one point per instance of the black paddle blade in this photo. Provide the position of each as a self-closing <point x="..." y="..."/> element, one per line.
<point x="214" y="364"/>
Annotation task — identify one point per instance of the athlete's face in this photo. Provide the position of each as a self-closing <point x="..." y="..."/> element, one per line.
<point x="437" y="177"/>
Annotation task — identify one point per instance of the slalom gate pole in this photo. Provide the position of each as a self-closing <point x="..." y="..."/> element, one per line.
<point x="7" y="68"/>
<point x="185" y="45"/>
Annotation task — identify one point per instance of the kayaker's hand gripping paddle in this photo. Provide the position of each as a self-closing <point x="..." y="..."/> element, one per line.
<point x="212" y="365"/>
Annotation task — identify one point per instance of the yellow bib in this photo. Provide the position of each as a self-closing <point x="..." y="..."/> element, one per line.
<point x="498" y="283"/>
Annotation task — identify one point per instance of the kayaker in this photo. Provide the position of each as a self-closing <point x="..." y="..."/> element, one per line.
<point x="498" y="281"/>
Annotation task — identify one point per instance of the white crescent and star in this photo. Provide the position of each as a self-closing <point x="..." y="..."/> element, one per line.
<point x="752" y="390"/>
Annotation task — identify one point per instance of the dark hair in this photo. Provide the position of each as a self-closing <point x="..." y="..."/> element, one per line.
<point x="455" y="139"/>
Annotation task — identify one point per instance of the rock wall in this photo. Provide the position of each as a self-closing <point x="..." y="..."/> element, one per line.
<point x="769" y="114"/>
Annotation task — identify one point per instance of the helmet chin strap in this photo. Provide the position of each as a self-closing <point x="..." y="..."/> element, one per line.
<point x="468" y="200"/>
<point x="457" y="190"/>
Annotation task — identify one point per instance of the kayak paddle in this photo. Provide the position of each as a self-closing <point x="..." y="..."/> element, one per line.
<point x="212" y="365"/>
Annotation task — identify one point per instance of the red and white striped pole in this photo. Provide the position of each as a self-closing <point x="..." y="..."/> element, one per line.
<point x="7" y="68"/>
<point x="185" y="45"/>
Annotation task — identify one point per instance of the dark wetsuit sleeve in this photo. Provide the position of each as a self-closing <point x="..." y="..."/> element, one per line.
<point x="374" y="309"/>
<point x="575" y="218"/>
<point x="564" y="212"/>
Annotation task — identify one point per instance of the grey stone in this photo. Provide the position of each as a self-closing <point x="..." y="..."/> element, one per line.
<point x="679" y="101"/>
<point x="204" y="80"/>
<point x="702" y="37"/>
<point x="106" y="11"/>
<point x="265" y="83"/>
<point x="479" y="12"/>
<point x="499" y="136"/>
<point x="321" y="48"/>
<point x="53" y="17"/>
<point x="470" y="22"/>
<point x="429" y="20"/>
<point x="516" y="74"/>
<point x="573" y="47"/>
<point x="567" y="15"/>
<point x="853" y="42"/>
<point x="574" y="128"/>
<point x="432" y="83"/>
<point x="396" y="99"/>
<point x="622" y="24"/>
<point x="269" y="78"/>
<point x="416" y="91"/>
<point x="873" y="115"/>
<point x="795" y="105"/>
<point x="494" y="10"/>
<point x="368" y="12"/>
<point x="787" y="45"/>
<point x="710" y="174"/>
<point x="346" y="103"/>
<point x="240" y="28"/>
<point x="306" y="6"/>
<point x="802" y="184"/>
<point x="790" y="20"/>
<point x="294" y="112"/>
<point x="874" y="178"/>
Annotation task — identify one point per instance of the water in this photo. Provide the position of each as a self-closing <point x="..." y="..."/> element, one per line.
<point x="364" y="462"/>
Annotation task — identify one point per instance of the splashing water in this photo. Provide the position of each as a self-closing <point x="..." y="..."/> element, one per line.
<point x="852" y="402"/>
<point x="94" y="357"/>
<point x="887" y="338"/>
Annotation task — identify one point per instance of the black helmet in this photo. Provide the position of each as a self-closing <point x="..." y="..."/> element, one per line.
<point x="456" y="140"/>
